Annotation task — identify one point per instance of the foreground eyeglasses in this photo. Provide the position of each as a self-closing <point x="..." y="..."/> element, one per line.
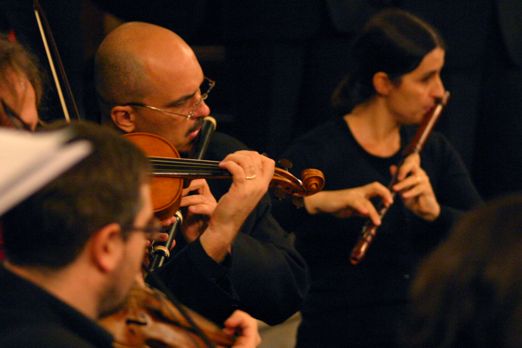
<point x="152" y="227"/>
<point x="207" y="86"/>
<point x="14" y="118"/>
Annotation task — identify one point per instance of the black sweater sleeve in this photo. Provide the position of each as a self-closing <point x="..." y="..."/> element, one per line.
<point x="450" y="179"/>
<point x="268" y="273"/>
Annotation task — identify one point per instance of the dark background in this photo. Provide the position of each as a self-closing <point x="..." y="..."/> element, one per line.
<point x="276" y="63"/>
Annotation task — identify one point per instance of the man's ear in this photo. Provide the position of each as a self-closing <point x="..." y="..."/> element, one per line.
<point x="124" y="118"/>
<point x="107" y="247"/>
<point x="381" y="83"/>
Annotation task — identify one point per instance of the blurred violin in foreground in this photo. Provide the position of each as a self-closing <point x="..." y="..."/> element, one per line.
<point x="149" y="319"/>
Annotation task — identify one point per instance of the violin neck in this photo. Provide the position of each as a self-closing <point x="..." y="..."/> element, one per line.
<point x="187" y="168"/>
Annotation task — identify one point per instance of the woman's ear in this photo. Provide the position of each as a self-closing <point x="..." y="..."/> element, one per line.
<point x="381" y="83"/>
<point x="124" y="118"/>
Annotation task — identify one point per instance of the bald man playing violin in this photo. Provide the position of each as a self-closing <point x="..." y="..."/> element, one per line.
<point x="149" y="80"/>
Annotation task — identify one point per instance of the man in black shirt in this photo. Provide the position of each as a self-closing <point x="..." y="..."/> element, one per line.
<point x="74" y="248"/>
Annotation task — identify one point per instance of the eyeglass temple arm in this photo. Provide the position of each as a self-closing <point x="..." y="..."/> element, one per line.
<point x="12" y="114"/>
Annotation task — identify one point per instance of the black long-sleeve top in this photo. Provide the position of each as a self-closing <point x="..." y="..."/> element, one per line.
<point x="384" y="276"/>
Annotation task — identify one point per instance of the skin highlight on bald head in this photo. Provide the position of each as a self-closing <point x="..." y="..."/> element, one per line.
<point x="130" y="58"/>
<point x="118" y="70"/>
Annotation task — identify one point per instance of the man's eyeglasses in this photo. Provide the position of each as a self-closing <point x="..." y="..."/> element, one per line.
<point x="206" y="86"/>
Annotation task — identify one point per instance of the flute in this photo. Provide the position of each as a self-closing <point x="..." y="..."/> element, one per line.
<point x="369" y="230"/>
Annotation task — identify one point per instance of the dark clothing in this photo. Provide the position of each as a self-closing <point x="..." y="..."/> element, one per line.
<point x="31" y="317"/>
<point x="2" y="254"/>
<point x="364" y="304"/>
<point x="286" y="58"/>
<point x="264" y="275"/>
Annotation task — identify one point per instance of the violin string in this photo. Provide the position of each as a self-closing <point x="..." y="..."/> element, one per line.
<point x="187" y="168"/>
<point x="197" y="175"/>
<point x="183" y="160"/>
<point x="189" y="164"/>
<point x="182" y="166"/>
<point x="194" y="171"/>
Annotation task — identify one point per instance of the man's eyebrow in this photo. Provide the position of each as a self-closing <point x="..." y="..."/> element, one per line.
<point x="183" y="99"/>
<point x="180" y="101"/>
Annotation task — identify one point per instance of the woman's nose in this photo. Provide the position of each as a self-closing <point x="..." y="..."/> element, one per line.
<point x="438" y="88"/>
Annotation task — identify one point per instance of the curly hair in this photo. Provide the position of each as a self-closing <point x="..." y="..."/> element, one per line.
<point x="14" y="58"/>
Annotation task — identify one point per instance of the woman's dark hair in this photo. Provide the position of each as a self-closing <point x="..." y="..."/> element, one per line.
<point x="392" y="41"/>
<point x="468" y="292"/>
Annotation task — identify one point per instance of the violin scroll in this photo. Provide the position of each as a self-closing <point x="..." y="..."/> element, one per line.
<point x="313" y="180"/>
<point x="284" y="184"/>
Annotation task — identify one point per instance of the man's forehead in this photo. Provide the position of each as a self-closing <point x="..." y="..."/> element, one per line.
<point x="175" y="85"/>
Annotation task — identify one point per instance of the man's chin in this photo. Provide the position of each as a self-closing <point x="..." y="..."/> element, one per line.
<point x="113" y="303"/>
<point x="112" y="308"/>
<point x="187" y="150"/>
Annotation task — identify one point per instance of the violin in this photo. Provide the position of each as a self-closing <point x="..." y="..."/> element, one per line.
<point x="169" y="170"/>
<point x="369" y="230"/>
<point x="149" y="319"/>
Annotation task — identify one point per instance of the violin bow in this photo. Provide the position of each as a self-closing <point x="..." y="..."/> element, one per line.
<point x="50" y="44"/>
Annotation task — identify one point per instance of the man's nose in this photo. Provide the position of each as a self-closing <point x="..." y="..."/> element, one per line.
<point x="201" y="109"/>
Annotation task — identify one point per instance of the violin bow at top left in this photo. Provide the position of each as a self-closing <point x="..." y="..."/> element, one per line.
<point x="50" y="45"/>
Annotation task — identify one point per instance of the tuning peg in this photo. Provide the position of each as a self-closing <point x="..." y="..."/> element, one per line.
<point x="285" y="164"/>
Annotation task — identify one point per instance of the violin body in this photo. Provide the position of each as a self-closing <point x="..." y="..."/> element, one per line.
<point x="149" y="319"/>
<point x="166" y="190"/>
